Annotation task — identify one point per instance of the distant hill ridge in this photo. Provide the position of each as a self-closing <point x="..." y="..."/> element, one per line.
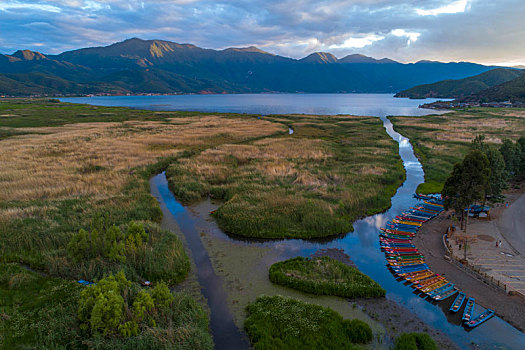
<point x="158" y="66"/>
<point x="463" y="87"/>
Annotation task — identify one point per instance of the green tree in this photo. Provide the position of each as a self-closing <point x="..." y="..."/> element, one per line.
<point x="511" y="152"/>
<point x="521" y="143"/>
<point x="468" y="182"/>
<point x="498" y="174"/>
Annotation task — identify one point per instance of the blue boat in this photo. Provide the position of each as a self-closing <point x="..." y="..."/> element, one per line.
<point x="467" y="314"/>
<point x="441" y="290"/>
<point x="458" y="302"/>
<point x="479" y="319"/>
<point x="445" y="295"/>
<point x="85" y="283"/>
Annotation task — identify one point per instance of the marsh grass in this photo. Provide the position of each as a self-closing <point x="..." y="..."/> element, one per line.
<point x="415" y="341"/>
<point x="324" y="276"/>
<point x="278" y="322"/>
<point x="41" y="312"/>
<point x="73" y="163"/>
<point x="313" y="183"/>
<point x="440" y="141"/>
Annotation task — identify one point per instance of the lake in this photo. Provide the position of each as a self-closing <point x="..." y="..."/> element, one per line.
<point x="359" y="104"/>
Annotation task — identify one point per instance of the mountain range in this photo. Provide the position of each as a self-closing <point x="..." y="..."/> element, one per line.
<point x="462" y="88"/>
<point x="157" y="66"/>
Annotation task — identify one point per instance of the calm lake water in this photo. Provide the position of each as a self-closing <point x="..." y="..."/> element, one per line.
<point x="363" y="244"/>
<point x="359" y="104"/>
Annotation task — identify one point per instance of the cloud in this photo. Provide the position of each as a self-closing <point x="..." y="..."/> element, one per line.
<point x="412" y="36"/>
<point x="406" y="30"/>
<point x="455" y="7"/>
<point x="15" y="5"/>
<point x="358" y="43"/>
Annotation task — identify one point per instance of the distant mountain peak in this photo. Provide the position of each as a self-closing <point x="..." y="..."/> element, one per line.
<point x="28" y="55"/>
<point x="358" y="58"/>
<point x="248" y="49"/>
<point x="319" y="57"/>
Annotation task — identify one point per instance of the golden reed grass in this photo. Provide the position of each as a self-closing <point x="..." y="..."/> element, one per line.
<point x="96" y="158"/>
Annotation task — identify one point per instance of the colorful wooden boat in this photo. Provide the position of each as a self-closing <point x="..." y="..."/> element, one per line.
<point x="445" y="295"/>
<point x="467" y="314"/>
<point x="458" y="302"/>
<point x="479" y="319"/>
<point x="440" y="290"/>
<point x="406" y="222"/>
<point x="418" y="275"/>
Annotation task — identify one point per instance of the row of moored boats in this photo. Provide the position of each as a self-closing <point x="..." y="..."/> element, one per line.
<point x="407" y="263"/>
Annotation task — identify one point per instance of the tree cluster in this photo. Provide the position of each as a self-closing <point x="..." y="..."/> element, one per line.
<point x="484" y="172"/>
<point x="112" y="306"/>
<point x="107" y="242"/>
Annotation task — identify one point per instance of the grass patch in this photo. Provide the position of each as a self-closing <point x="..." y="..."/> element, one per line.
<point x="440" y="141"/>
<point x="41" y="312"/>
<point x="324" y="276"/>
<point x="314" y="183"/>
<point x="415" y="341"/>
<point x="284" y="323"/>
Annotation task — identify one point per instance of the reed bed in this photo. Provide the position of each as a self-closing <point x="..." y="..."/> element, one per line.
<point x="313" y="183"/>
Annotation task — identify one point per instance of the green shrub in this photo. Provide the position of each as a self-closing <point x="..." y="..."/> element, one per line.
<point x="324" y="276"/>
<point x="284" y="323"/>
<point x="415" y="341"/>
<point x="112" y="307"/>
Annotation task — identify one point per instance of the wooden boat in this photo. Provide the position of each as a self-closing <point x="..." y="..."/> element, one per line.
<point x="433" y="287"/>
<point x="445" y="295"/>
<point x="440" y="290"/>
<point x="434" y="204"/>
<point x="406" y="222"/>
<point x="409" y="218"/>
<point x="403" y="257"/>
<point x="428" y="281"/>
<point x="479" y="319"/>
<point x="467" y="314"/>
<point x="418" y="275"/>
<point x="405" y="263"/>
<point x="413" y="268"/>
<point x="458" y="302"/>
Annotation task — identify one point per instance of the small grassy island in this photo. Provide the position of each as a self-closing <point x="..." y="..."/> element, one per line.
<point x="324" y="276"/>
<point x="285" y="323"/>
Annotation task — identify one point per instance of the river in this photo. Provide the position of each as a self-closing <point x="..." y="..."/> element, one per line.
<point x="362" y="245"/>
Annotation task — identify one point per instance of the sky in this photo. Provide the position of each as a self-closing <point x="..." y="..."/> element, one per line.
<point x="488" y="32"/>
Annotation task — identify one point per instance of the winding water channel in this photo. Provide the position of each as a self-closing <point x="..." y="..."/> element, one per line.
<point x="362" y="245"/>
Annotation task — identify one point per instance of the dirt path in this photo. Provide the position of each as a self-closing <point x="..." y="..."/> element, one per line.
<point x="511" y="224"/>
<point x="429" y="241"/>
